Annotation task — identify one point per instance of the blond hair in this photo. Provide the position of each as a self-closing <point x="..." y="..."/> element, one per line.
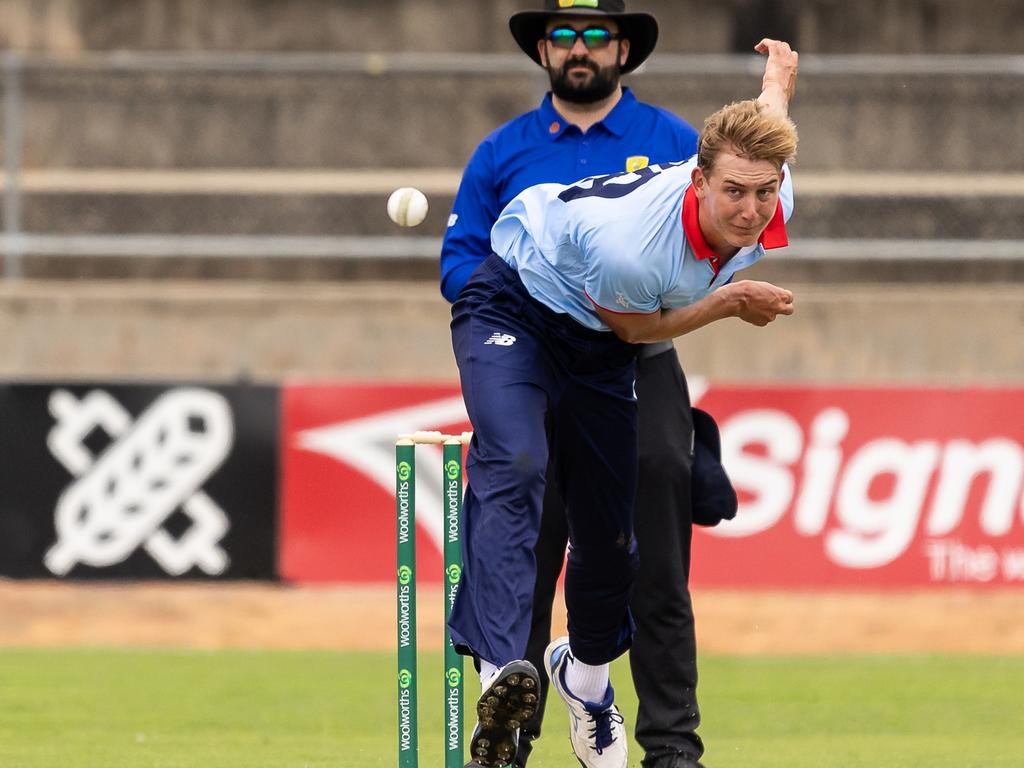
<point x="750" y="130"/>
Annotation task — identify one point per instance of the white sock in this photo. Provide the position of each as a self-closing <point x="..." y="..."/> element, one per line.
<point x="487" y="673"/>
<point x="587" y="682"/>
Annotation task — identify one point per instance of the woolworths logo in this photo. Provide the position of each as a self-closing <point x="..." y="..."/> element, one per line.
<point x="452" y="469"/>
<point x="404" y="575"/>
<point x="454" y="572"/>
<point x="404" y="470"/>
<point x="404" y="678"/>
<point x="454" y="677"/>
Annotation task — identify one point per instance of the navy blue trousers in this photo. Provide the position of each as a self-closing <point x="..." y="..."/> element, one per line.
<point x="532" y="378"/>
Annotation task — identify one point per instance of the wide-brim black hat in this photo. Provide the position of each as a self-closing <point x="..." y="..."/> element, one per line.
<point x="640" y="29"/>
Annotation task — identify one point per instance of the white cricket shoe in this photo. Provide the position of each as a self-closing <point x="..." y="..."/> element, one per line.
<point x="596" y="731"/>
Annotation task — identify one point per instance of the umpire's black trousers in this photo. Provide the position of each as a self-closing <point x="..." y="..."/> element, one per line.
<point x="663" y="657"/>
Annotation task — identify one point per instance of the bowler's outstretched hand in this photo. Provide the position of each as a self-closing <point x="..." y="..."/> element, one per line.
<point x="779" y="82"/>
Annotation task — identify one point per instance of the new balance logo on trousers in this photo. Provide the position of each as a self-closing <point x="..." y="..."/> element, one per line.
<point x="501" y="339"/>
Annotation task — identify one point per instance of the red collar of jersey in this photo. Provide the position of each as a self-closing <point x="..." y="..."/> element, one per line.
<point x="774" y="235"/>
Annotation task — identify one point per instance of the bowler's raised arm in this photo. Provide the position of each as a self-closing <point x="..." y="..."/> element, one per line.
<point x="779" y="82"/>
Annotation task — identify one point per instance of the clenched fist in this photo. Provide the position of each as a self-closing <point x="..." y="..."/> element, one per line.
<point x="758" y="303"/>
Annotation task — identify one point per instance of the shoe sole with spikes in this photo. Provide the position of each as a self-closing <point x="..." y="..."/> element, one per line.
<point x="510" y="700"/>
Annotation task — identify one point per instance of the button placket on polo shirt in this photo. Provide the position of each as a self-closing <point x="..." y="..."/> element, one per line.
<point x="583" y="154"/>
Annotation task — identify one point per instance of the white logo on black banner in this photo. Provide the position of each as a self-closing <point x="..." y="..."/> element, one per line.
<point x="121" y="499"/>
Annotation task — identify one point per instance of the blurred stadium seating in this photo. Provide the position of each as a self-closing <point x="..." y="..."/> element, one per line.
<point x="242" y="139"/>
<point x="697" y="26"/>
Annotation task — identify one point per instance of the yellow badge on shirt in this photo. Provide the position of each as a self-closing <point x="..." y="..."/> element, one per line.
<point x="636" y="162"/>
<point x="580" y="3"/>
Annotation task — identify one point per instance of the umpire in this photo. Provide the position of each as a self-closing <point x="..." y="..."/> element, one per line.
<point x="589" y="124"/>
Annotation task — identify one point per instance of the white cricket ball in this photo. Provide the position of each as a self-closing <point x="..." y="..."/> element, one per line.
<point x="407" y="206"/>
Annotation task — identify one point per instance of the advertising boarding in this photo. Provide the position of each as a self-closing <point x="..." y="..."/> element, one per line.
<point x="839" y="487"/>
<point x="138" y="481"/>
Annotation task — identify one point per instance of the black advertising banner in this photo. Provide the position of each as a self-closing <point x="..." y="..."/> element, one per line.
<point x="115" y="481"/>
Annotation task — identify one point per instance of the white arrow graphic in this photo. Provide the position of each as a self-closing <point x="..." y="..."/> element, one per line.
<point x="368" y="446"/>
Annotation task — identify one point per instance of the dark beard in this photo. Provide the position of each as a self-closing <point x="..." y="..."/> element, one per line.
<point x="602" y="85"/>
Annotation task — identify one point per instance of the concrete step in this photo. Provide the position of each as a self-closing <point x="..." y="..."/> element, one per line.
<point x="94" y="330"/>
<point x="354" y="113"/>
<point x="344" y="259"/>
<point x="817" y="216"/>
<point x="220" y="214"/>
<point x="309" y="268"/>
<point x="303" y="119"/>
<point x="69" y="26"/>
<point x="925" y="206"/>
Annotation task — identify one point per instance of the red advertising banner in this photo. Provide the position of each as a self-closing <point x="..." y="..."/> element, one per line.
<point x="838" y="487"/>
<point x="868" y="487"/>
<point x="338" y="478"/>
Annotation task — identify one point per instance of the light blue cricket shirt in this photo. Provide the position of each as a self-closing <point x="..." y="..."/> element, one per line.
<point x="628" y="242"/>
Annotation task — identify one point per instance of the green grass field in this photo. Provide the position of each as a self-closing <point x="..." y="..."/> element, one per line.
<point x="168" y="709"/>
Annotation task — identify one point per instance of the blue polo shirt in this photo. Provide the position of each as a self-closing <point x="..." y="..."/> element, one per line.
<point x="539" y="147"/>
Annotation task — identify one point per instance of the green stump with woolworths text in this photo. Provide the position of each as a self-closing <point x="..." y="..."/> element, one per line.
<point x="405" y="503"/>
<point x="453" y="750"/>
<point x="405" y="508"/>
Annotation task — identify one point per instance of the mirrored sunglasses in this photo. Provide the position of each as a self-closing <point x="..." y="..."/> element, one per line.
<point x="593" y="37"/>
